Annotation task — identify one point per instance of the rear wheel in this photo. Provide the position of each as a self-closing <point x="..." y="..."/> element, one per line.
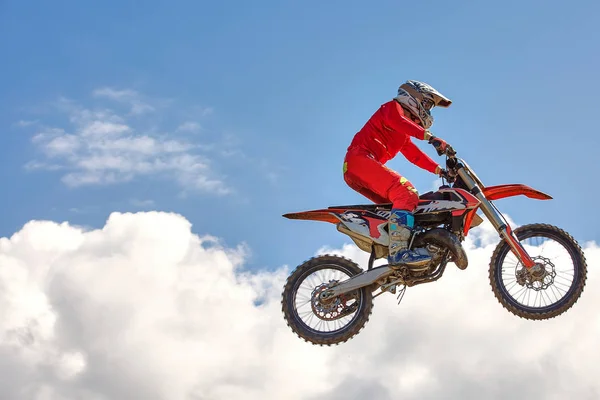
<point x="331" y="322"/>
<point x="550" y="288"/>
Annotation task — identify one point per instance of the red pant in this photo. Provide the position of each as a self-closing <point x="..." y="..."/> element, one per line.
<point x="377" y="182"/>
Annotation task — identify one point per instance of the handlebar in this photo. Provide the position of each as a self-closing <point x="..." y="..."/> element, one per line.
<point x="454" y="164"/>
<point x="448" y="150"/>
<point x="450" y="153"/>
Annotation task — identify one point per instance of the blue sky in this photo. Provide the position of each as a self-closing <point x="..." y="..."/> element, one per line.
<point x="237" y="112"/>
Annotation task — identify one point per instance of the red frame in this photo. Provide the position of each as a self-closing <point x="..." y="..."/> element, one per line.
<point x="468" y="221"/>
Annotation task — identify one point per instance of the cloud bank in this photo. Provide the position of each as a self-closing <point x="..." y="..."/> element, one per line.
<point x="119" y="140"/>
<point x="144" y="308"/>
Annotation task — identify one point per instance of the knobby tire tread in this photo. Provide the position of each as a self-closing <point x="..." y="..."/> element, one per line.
<point x="579" y="264"/>
<point x="287" y="305"/>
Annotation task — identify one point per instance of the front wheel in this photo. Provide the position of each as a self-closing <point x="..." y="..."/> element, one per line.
<point x="325" y="322"/>
<point x="552" y="286"/>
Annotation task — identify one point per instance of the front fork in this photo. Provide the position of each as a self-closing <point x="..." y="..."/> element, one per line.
<point x="503" y="228"/>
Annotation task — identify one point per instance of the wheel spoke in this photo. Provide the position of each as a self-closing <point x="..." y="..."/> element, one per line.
<point x="321" y="321"/>
<point x="555" y="280"/>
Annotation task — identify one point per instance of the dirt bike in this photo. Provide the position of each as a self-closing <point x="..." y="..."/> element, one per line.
<point x="328" y="308"/>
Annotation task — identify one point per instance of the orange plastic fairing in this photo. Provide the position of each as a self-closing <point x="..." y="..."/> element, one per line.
<point x="314" y="215"/>
<point x="502" y="191"/>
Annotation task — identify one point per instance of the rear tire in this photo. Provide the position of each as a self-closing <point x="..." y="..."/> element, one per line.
<point x="562" y="305"/>
<point x="290" y="313"/>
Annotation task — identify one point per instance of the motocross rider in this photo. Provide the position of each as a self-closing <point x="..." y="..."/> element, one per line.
<point x="387" y="133"/>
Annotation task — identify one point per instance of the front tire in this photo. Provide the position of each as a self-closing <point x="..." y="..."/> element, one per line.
<point x="542" y="285"/>
<point x="361" y="306"/>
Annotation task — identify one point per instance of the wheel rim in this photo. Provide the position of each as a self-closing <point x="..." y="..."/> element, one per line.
<point x="325" y="318"/>
<point x="550" y="283"/>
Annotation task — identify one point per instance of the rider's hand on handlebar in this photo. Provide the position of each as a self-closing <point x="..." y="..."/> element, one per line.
<point x="439" y="144"/>
<point x="443" y="173"/>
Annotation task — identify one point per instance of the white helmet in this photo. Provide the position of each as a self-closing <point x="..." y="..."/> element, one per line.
<point x="419" y="98"/>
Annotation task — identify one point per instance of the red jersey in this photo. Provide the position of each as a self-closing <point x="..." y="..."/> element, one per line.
<point x="388" y="132"/>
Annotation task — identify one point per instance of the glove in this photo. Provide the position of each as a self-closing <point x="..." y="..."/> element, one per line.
<point x="441" y="172"/>
<point x="439" y="144"/>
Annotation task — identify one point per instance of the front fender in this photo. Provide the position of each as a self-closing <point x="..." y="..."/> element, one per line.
<point x="502" y="191"/>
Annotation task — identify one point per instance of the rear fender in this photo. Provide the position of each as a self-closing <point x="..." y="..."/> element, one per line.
<point x="367" y="238"/>
<point x="502" y="191"/>
<point x="324" y="215"/>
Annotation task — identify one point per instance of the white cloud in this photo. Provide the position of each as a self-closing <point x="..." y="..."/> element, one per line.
<point x="63" y="145"/>
<point x="189" y="126"/>
<point x="103" y="129"/>
<point x="24" y="123"/>
<point x="37" y="165"/>
<point x="115" y="94"/>
<point x="145" y="309"/>
<point x="103" y="147"/>
<point x="127" y="96"/>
